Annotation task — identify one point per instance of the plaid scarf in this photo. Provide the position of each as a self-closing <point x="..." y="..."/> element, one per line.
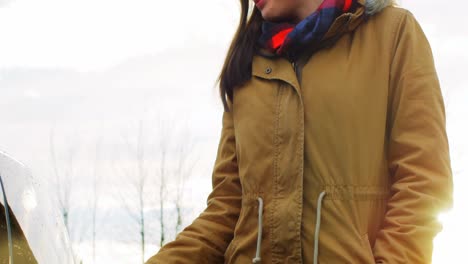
<point x="291" y="39"/>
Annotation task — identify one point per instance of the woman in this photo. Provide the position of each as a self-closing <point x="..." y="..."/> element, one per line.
<point x="333" y="147"/>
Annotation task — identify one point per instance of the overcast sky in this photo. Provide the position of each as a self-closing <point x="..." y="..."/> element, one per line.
<point x="87" y="69"/>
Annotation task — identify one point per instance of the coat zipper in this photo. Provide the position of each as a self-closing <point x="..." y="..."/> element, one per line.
<point x="294" y="65"/>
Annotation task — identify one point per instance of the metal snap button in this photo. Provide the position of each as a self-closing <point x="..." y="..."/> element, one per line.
<point x="268" y="70"/>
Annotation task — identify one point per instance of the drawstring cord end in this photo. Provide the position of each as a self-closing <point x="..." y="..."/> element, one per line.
<point x="257" y="258"/>
<point x="317" y="225"/>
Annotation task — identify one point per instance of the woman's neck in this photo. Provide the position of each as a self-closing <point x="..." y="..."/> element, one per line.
<point x="308" y="8"/>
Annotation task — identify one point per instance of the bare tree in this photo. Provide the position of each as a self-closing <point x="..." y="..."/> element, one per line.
<point x="95" y="196"/>
<point x="63" y="180"/>
<point x="138" y="181"/>
<point x="156" y="155"/>
<point x="63" y="171"/>
<point x="164" y="133"/>
<point x="183" y="170"/>
<point x="141" y="185"/>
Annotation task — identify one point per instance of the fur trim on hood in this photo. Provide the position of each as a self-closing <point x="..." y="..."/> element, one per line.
<point x="375" y="6"/>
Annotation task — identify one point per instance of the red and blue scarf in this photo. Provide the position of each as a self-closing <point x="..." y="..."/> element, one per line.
<point x="287" y="39"/>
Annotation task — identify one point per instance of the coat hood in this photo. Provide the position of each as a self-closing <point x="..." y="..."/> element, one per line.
<point x="375" y="6"/>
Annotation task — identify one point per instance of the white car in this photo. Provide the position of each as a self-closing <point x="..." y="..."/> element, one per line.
<point x="33" y="230"/>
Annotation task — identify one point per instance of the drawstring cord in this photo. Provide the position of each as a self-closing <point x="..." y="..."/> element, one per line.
<point x="257" y="258"/>
<point x="317" y="225"/>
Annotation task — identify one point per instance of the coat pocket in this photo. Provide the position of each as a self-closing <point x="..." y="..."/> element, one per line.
<point x="367" y="249"/>
<point x="229" y="250"/>
<point x="243" y="244"/>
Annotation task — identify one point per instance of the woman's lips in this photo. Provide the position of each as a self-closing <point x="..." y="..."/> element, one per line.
<point x="259" y="3"/>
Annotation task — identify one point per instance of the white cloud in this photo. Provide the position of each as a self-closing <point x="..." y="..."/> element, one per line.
<point x="95" y="34"/>
<point x="31" y="93"/>
<point x="5" y="3"/>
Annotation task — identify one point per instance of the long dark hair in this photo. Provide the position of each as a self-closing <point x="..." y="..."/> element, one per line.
<point x="237" y="66"/>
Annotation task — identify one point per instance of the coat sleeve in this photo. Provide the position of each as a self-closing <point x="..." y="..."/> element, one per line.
<point x="418" y="152"/>
<point x="206" y="239"/>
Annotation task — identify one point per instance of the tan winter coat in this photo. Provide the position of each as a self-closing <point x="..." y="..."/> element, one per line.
<point x="345" y="160"/>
